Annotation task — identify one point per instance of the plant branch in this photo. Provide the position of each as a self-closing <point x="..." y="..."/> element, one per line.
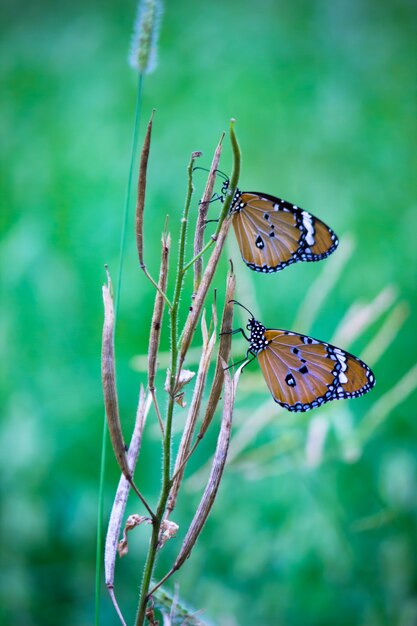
<point x="220" y="237"/>
<point x="223" y="355"/>
<point x="156" y="324"/>
<point x="120" y="500"/>
<point x="166" y="483"/>
<point x="184" y="447"/>
<point x="213" y="482"/>
<point x="140" y="207"/>
<point x="198" y="256"/>
<point x="199" y="249"/>
<point x="178" y="353"/>
<point x="108" y="374"/>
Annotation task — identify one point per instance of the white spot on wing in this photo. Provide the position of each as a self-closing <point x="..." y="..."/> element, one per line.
<point x="342" y="360"/>
<point x="308" y="225"/>
<point x="342" y="377"/>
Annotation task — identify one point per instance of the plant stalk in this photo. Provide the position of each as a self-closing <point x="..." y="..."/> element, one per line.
<point x="166" y="482"/>
<point x="176" y="362"/>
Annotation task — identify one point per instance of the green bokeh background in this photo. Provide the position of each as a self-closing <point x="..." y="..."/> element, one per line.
<point x="323" y="94"/>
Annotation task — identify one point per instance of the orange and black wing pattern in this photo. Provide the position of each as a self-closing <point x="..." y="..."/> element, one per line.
<point x="272" y="233"/>
<point x="302" y="373"/>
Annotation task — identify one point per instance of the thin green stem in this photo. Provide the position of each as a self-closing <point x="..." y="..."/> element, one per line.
<point x="167" y="441"/>
<point x="147" y="573"/>
<point x="157" y="287"/>
<point x="200" y="254"/>
<point x="183" y="234"/>
<point x="99" y="543"/>
<point x="180" y="277"/>
<point x="233" y="179"/>
<point x="166" y="480"/>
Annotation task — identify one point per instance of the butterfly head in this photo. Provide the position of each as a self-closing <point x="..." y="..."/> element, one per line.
<point x="236" y="204"/>
<point x="225" y="186"/>
<point x="257" y="341"/>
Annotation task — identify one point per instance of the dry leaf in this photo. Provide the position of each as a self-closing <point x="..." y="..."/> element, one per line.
<point x="167" y="531"/>
<point x="131" y="523"/>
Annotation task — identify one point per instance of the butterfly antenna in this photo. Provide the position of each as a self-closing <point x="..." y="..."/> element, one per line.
<point x="205" y="169"/>
<point x="223" y="175"/>
<point x="243" y="307"/>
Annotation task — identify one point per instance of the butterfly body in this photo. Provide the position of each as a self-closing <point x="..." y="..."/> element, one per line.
<point x="303" y="373"/>
<point x="273" y="233"/>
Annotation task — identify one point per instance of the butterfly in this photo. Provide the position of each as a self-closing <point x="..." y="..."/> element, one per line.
<point x="272" y="233"/>
<point x="303" y="373"/>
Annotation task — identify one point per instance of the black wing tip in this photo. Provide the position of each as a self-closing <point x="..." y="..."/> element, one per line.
<point x="323" y="255"/>
<point x="269" y="269"/>
<point x="299" y="407"/>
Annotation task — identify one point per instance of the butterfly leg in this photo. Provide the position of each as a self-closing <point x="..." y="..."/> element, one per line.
<point x="214" y="198"/>
<point x="242" y="361"/>
<point x="234" y="332"/>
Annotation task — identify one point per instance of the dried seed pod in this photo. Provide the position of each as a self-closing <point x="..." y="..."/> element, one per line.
<point x="158" y="312"/>
<point x="216" y="473"/>
<point x="220" y="238"/>
<point x="202" y="214"/>
<point x="185" y="444"/>
<point x="123" y="489"/>
<point x="223" y="354"/>
<point x="108" y="376"/>
<point x="201" y="294"/>
<point x="140" y="203"/>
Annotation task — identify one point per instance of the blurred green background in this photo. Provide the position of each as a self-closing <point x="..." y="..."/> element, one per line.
<point x="315" y="523"/>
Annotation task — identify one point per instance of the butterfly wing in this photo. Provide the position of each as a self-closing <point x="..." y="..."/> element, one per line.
<point x="303" y="373"/>
<point x="272" y="233"/>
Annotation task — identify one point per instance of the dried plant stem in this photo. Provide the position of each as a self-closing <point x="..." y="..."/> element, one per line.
<point x="202" y="214"/>
<point x="219" y="237"/>
<point x="223" y="355"/>
<point x="140" y="207"/>
<point x="157" y="410"/>
<point x="184" y="447"/>
<point x="156" y="324"/>
<point x="213" y="482"/>
<point x="109" y="380"/>
<point x="166" y="483"/>
<point x="123" y="490"/>
<point x="108" y="373"/>
<point x="201" y="294"/>
<point x="120" y="501"/>
<point x="178" y="353"/>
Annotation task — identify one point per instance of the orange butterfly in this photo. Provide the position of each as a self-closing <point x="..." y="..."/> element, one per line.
<point x="272" y="233"/>
<point x="301" y="372"/>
